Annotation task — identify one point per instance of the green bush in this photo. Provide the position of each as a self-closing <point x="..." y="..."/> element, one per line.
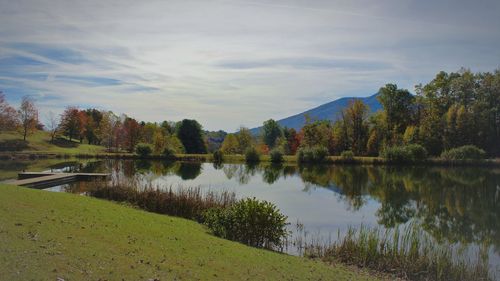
<point x="466" y="152"/>
<point x="168" y="153"/>
<point x="143" y="149"/>
<point x="251" y="155"/>
<point x="405" y="153"/>
<point x="347" y="155"/>
<point x="218" y="156"/>
<point x="417" y="152"/>
<point x="315" y="154"/>
<point x="276" y="156"/>
<point x="249" y="221"/>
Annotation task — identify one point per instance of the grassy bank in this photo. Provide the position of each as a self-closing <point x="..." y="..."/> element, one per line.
<point x="40" y="142"/>
<point x="46" y="235"/>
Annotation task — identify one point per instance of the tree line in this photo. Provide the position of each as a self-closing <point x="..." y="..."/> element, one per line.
<point x="124" y="133"/>
<point x="100" y="127"/>
<point x="452" y="110"/>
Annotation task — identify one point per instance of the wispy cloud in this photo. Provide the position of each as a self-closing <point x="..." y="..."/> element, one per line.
<point x="307" y="63"/>
<point x="231" y="63"/>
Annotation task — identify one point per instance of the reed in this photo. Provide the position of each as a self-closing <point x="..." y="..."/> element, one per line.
<point x="183" y="202"/>
<point x="407" y="252"/>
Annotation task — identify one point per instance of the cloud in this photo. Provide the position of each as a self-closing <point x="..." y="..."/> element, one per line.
<point x="50" y="52"/>
<point x="307" y="63"/>
<point x="232" y="63"/>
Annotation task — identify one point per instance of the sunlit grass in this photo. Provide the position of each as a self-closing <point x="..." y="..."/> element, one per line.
<point x="46" y="236"/>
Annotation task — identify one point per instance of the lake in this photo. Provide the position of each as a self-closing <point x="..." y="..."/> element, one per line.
<point x="459" y="205"/>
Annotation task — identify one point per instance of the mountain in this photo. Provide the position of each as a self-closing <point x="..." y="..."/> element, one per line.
<point x="327" y="111"/>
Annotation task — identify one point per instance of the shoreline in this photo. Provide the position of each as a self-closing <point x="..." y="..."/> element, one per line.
<point x="236" y="158"/>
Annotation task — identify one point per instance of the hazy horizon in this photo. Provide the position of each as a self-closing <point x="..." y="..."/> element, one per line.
<point x="232" y="63"/>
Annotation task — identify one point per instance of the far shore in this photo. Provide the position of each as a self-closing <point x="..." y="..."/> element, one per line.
<point x="238" y="158"/>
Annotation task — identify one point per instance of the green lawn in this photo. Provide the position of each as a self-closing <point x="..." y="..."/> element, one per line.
<point x="39" y="142"/>
<point x="45" y="235"/>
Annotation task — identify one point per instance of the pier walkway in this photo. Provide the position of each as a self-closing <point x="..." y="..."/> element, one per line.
<point x="43" y="180"/>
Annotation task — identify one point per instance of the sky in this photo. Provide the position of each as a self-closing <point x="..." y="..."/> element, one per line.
<point x="233" y="63"/>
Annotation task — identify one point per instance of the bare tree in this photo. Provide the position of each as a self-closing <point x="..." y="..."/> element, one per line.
<point x="52" y="125"/>
<point x="28" y="116"/>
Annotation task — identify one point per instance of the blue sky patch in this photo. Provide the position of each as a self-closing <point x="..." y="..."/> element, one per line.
<point x="51" y="52"/>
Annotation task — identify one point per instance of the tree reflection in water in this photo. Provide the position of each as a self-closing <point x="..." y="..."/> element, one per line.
<point x="460" y="204"/>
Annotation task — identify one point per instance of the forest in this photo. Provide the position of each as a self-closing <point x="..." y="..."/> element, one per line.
<point x="453" y="110"/>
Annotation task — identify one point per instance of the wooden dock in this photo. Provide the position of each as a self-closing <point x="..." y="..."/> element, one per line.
<point x="44" y="180"/>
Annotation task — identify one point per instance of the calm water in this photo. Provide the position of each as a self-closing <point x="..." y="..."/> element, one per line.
<point x="457" y="205"/>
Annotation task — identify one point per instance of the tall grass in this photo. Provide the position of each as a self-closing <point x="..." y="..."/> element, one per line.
<point x="188" y="202"/>
<point x="406" y="252"/>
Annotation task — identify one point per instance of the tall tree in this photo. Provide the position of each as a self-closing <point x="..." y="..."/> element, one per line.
<point x="397" y="104"/>
<point x="132" y="133"/>
<point x="70" y="122"/>
<point x="356" y="114"/>
<point x="271" y="131"/>
<point x="245" y="139"/>
<point x="292" y="141"/>
<point x="317" y="133"/>
<point x="28" y="116"/>
<point x="190" y="134"/>
<point x="93" y="125"/>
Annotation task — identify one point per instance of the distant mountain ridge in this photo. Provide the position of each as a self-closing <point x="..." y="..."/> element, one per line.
<point x="328" y="111"/>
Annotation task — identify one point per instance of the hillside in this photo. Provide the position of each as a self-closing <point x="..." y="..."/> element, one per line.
<point x="327" y="111"/>
<point x="47" y="236"/>
<point x="40" y="142"/>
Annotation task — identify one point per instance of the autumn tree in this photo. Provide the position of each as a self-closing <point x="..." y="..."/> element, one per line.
<point x="173" y="144"/>
<point x="317" y="133"/>
<point x="70" y="123"/>
<point x="231" y="145"/>
<point x="245" y="139"/>
<point x="28" y="116"/>
<point x="292" y="141"/>
<point x="132" y="133"/>
<point x="355" y="116"/>
<point x="376" y="136"/>
<point x="8" y="115"/>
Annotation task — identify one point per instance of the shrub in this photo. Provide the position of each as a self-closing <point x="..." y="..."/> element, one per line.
<point x="466" y="152"/>
<point x="320" y="153"/>
<point x="218" y="156"/>
<point x="347" y="155"/>
<point x="251" y="155"/>
<point x="168" y="153"/>
<point x="249" y="221"/>
<point x="417" y="152"/>
<point x="312" y="154"/>
<point x="143" y="149"/>
<point x="276" y="156"/>
<point x="405" y="153"/>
